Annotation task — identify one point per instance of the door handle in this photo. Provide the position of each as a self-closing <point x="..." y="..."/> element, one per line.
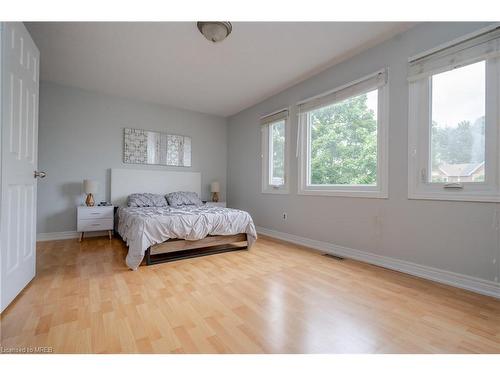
<point x="39" y="174"/>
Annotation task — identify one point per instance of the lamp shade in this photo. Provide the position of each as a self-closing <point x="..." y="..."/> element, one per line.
<point x="215" y="187"/>
<point x="90" y="186"/>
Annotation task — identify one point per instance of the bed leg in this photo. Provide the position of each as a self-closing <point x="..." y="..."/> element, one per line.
<point x="148" y="257"/>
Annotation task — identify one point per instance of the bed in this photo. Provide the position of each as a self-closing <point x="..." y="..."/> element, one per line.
<point x="169" y="233"/>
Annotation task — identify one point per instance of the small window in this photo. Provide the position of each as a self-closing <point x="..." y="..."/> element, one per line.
<point x="274" y="153"/>
<point x="343" y="141"/>
<point x="277" y="153"/>
<point x="453" y="123"/>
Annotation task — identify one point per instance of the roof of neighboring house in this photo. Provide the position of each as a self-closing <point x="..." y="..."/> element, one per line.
<point x="460" y="170"/>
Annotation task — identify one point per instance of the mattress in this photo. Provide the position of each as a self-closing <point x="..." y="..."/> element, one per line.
<point x="142" y="227"/>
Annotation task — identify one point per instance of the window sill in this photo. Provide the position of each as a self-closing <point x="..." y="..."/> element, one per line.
<point x="345" y="193"/>
<point x="275" y="191"/>
<point x="455" y="197"/>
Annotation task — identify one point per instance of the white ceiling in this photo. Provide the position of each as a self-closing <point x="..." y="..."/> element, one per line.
<point x="172" y="63"/>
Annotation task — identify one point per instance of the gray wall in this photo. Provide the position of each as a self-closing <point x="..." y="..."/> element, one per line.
<point x="81" y="136"/>
<point x="457" y="236"/>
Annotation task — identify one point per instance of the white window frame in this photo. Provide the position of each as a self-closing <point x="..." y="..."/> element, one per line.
<point x="472" y="48"/>
<point x="266" y="123"/>
<point x="377" y="80"/>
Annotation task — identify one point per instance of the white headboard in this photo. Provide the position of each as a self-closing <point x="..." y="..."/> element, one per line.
<point x="127" y="181"/>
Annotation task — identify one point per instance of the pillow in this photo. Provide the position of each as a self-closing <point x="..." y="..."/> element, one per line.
<point x="146" y="200"/>
<point x="183" y="198"/>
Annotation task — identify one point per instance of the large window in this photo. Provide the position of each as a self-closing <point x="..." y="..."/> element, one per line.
<point x="343" y="140"/>
<point x="453" y="121"/>
<point x="457" y="125"/>
<point x="274" y="153"/>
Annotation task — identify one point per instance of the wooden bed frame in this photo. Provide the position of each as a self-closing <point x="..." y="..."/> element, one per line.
<point x="176" y="249"/>
<point x="127" y="181"/>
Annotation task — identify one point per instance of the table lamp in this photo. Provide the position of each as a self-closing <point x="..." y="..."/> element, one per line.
<point x="215" y="189"/>
<point x="90" y="187"/>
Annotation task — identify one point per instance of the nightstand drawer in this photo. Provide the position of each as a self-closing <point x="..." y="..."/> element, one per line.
<point x="90" y="225"/>
<point x="95" y="213"/>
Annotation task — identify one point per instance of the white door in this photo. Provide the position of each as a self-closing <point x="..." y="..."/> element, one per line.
<point x="19" y="60"/>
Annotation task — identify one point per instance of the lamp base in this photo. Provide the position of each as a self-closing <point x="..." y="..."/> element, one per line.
<point x="215" y="197"/>
<point x="90" y="200"/>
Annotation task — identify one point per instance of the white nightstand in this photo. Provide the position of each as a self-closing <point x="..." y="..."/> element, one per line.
<point x="91" y="219"/>
<point x="215" y="204"/>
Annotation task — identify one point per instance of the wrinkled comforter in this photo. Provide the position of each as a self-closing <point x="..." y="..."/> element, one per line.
<point x="142" y="227"/>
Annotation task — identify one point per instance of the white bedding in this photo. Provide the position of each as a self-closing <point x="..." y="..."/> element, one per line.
<point x="141" y="227"/>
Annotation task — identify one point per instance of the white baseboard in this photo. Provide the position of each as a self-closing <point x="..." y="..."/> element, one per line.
<point x="474" y="284"/>
<point x="67" y="235"/>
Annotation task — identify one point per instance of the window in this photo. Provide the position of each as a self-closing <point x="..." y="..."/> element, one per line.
<point x="343" y="140"/>
<point x="457" y="124"/>
<point x="274" y="153"/>
<point x="277" y="153"/>
<point x="453" y="121"/>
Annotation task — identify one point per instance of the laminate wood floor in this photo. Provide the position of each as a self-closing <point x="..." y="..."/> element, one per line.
<point x="275" y="298"/>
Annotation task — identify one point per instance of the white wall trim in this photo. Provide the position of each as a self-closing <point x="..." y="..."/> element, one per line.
<point x="470" y="283"/>
<point x="67" y="235"/>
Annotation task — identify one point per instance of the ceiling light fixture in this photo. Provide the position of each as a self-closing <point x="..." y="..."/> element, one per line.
<point x="215" y="31"/>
